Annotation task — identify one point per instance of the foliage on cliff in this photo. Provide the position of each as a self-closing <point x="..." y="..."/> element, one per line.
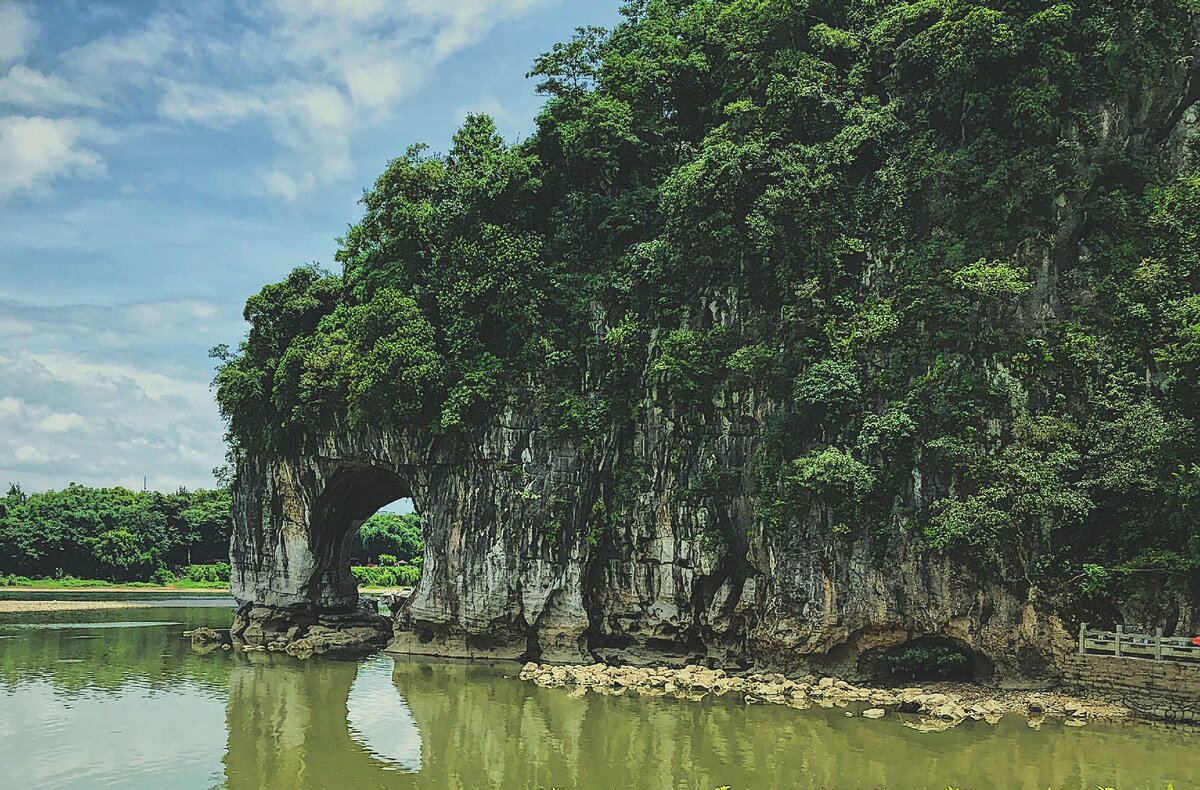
<point x="950" y="247"/>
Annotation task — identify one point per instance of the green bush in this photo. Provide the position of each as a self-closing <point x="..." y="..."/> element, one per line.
<point x="927" y="662"/>
<point x="212" y="572"/>
<point x="71" y="581"/>
<point x="380" y="576"/>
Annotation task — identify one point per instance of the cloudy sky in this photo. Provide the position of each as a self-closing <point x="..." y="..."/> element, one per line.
<point x="161" y="161"/>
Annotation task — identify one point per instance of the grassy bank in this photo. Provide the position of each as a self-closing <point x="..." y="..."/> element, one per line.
<point x="71" y="583"/>
<point x="101" y="585"/>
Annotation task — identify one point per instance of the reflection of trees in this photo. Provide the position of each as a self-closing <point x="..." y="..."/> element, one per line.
<point x="109" y="659"/>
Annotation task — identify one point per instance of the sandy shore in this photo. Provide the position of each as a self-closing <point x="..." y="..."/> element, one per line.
<point x="8" y="607"/>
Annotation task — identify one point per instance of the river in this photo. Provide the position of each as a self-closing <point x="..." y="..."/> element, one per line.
<point x="118" y="698"/>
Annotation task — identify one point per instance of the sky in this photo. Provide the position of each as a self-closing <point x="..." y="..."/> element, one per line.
<point x="162" y="161"/>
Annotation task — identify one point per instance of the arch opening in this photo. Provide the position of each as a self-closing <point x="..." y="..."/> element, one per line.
<point x="356" y="526"/>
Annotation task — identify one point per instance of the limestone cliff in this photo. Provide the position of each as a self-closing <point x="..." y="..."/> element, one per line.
<point x="518" y="563"/>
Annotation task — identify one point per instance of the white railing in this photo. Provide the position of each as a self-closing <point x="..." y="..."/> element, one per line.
<point x="1125" y="644"/>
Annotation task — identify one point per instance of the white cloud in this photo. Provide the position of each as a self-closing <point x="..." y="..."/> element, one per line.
<point x="136" y="57"/>
<point x="26" y="87"/>
<point x="309" y="75"/>
<point x="17" y="30"/>
<point x="35" y="151"/>
<point x="320" y="72"/>
<point x="30" y="455"/>
<point x="102" y="421"/>
<point x="147" y="385"/>
<point x="458" y="23"/>
<point x="107" y="394"/>
<point x="62" y="422"/>
<point x="208" y="105"/>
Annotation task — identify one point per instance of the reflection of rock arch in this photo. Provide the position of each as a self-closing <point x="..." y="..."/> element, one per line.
<point x="379" y="720"/>
<point x="289" y="725"/>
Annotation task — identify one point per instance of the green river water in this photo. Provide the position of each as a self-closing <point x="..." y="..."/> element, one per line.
<point x="117" y="698"/>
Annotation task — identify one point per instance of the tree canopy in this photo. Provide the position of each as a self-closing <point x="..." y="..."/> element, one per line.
<point x="959" y="239"/>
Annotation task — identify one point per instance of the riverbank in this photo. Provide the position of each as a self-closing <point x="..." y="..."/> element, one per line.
<point x="21" y="607"/>
<point x="930" y="707"/>
<point x="121" y="589"/>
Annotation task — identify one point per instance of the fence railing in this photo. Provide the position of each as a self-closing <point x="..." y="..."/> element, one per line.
<point x="1126" y="644"/>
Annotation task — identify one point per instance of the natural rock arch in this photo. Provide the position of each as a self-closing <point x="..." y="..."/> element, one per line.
<point x="290" y="552"/>
<point x="527" y="555"/>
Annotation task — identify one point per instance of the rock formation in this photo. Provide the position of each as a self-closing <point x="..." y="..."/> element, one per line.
<point x="521" y="560"/>
<point x="982" y="293"/>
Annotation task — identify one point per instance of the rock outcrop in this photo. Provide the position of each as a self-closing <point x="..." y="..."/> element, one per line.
<point x="527" y="553"/>
<point x="641" y="535"/>
<point x="304" y="632"/>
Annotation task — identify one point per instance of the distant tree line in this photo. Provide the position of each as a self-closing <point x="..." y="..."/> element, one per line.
<point x="111" y="533"/>
<point x="120" y="535"/>
<point x="389" y="539"/>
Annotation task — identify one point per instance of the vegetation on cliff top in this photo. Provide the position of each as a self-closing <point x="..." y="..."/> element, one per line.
<point x="954" y="245"/>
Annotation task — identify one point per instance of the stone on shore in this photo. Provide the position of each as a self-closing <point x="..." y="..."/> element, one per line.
<point x="937" y="710"/>
<point x="304" y="634"/>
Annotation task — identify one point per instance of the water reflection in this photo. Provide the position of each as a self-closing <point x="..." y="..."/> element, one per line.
<point x="110" y="652"/>
<point x="473" y="726"/>
<point x="97" y="703"/>
<point x="136" y="707"/>
<point x="379" y="719"/>
<point x="287" y="723"/>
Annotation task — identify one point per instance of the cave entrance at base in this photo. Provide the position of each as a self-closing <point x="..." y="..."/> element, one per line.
<point x="925" y="658"/>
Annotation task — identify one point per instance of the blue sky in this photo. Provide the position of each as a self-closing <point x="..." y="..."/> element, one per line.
<point x="161" y="161"/>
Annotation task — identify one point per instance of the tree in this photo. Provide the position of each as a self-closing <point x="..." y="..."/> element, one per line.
<point x="390" y="534"/>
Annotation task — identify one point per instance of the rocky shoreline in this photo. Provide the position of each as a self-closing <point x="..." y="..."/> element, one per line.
<point x="933" y="707"/>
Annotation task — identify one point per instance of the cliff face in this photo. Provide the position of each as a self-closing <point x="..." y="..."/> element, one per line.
<point x="524" y="556"/>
